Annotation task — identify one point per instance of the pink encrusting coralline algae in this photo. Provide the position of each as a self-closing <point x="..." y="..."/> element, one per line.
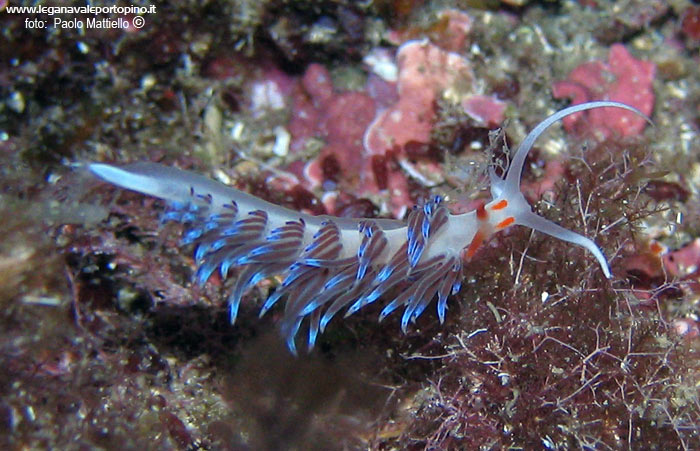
<point x="621" y="79"/>
<point x="425" y="72"/>
<point x="338" y="118"/>
<point x="370" y="133"/>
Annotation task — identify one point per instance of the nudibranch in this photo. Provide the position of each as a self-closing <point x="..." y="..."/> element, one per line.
<point x="328" y="263"/>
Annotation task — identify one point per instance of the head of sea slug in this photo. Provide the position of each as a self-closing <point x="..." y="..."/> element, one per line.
<point x="509" y="206"/>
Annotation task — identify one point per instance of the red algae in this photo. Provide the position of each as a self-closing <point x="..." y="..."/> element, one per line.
<point x="690" y="22"/>
<point x="340" y="119"/>
<point x="401" y="104"/>
<point x="623" y="79"/>
<point x="685" y="261"/>
<point x="317" y="84"/>
<point x="485" y="110"/>
<point x="425" y="71"/>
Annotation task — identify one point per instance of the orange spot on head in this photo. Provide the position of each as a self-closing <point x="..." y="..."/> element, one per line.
<point x="476" y="242"/>
<point x="500" y="205"/>
<point x="481" y="213"/>
<point x="505" y="223"/>
<point x="656" y="248"/>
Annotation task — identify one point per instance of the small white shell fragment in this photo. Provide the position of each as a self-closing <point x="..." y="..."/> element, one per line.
<point x="382" y="63"/>
<point x="282" y="140"/>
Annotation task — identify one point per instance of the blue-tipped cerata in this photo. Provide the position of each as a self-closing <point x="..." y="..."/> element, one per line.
<point x="330" y="264"/>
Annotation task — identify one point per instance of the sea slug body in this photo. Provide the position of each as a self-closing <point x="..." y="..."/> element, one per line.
<point x="329" y="263"/>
